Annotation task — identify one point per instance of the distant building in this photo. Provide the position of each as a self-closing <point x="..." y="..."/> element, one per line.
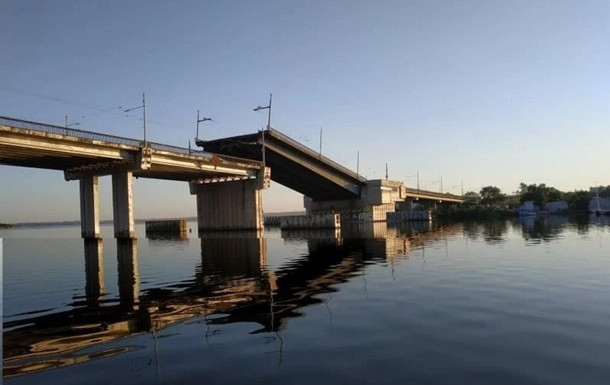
<point x="597" y="203"/>
<point x="527" y="208"/>
<point x="553" y="207"/>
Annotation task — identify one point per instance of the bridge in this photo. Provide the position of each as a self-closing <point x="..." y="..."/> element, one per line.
<point x="326" y="185"/>
<point x="228" y="182"/>
<point x="227" y="179"/>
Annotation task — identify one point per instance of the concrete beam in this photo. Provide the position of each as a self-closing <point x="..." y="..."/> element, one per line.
<point x="122" y="205"/>
<point x="89" y="207"/>
<point x="339" y="180"/>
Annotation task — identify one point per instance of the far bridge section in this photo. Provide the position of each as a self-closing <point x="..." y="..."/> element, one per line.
<point x="328" y="187"/>
<point x="228" y="189"/>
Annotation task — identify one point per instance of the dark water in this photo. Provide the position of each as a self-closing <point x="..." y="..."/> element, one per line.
<point x="504" y="302"/>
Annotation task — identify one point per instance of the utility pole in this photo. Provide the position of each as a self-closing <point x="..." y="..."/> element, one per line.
<point x="462" y="188"/>
<point x="143" y="107"/>
<point x="441" y="184"/>
<point x="386" y="171"/>
<point x="320" y="141"/>
<point x="69" y="125"/>
<point x="418" y="181"/>
<point x="144" y="115"/>
<point x="358" y="162"/>
<point x="268" y="124"/>
<point x="199" y="121"/>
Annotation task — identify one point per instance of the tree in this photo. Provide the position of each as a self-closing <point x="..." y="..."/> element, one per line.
<point x="492" y="196"/>
<point x="578" y="200"/>
<point x="472" y="198"/>
<point x="539" y="193"/>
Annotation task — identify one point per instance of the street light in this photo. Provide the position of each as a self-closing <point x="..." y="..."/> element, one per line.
<point x="438" y="181"/>
<point x="69" y="125"/>
<point x="143" y="107"/>
<point x="197" y="141"/>
<point x="415" y="176"/>
<point x="268" y="123"/>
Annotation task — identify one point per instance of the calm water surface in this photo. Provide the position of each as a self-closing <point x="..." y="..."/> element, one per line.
<point x="505" y="302"/>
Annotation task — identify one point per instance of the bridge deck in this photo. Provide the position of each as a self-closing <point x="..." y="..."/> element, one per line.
<point x="79" y="153"/>
<point x="293" y="165"/>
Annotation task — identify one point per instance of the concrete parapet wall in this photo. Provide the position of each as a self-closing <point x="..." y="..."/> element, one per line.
<point x="409" y="216"/>
<point x="322" y="220"/>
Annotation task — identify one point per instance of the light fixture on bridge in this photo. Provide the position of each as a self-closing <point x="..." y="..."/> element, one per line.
<point x="197" y="141"/>
<point x="268" y="123"/>
<point x="415" y="176"/>
<point x="71" y="124"/>
<point x="143" y="107"/>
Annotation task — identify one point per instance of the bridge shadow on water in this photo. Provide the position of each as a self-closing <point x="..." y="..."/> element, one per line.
<point x="231" y="283"/>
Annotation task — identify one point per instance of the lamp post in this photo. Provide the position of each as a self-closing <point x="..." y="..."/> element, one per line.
<point x="69" y="125"/>
<point x="415" y="176"/>
<point x="143" y="107"/>
<point x="199" y="121"/>
<point x="268" y="123"/>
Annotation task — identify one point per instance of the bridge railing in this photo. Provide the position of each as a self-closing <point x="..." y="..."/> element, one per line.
<point x="48" y="128"/>
<point x="434" y="194"/>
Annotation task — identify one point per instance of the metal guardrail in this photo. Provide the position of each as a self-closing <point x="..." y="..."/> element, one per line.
<point x="433" y="194"/>
<point x="48" y="128"/>
<point x="316" y="155"/>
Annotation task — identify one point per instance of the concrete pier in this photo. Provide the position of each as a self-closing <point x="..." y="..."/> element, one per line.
<point x="89" y="207"/>
<point x="231" y="205"/>
<point x="167" y="227"/>
<point x="313" y="221"/>
<point x="122" y="205"/>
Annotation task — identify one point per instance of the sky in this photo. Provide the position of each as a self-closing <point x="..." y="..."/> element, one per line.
<point x="473" y="92"/>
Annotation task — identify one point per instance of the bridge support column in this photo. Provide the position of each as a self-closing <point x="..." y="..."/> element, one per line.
<point x="231" y="205"/>
<point x="235" y="205"/>
<point x="89" y="208"/>
<point x="122" y="205"/>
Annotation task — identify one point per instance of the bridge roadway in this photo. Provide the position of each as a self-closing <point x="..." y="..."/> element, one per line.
<point x="84" y="153"/>
<point x="307" y="171"/>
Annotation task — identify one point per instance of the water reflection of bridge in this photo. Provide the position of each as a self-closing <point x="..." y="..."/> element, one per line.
<point x="232" y="282"/>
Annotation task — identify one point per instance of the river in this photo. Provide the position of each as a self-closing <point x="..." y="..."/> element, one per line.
<point x="495" y="302"/>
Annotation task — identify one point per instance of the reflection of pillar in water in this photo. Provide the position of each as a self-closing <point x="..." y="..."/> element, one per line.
<point x="129" y="281"/>
<point x="94" y="270"/>
<point x="235" y="253"/>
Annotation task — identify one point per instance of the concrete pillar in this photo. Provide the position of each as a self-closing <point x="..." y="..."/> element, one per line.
<point x="89" y="207"/>
<point x="234" y="205"/>
<point x="122" y="205"/>
<point x="94" y="271"/>
<point x="128" y="272"/>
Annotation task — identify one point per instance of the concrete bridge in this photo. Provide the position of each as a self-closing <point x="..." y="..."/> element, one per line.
<point x="227" y="182"/>
<point x="228" y="189"/>
<point x="327" y="186"/>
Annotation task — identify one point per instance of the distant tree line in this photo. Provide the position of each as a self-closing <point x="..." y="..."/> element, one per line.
<point x="493" y="197"/>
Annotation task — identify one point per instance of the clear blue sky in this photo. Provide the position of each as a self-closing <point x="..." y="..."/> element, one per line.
<point x="484" y="92"/>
